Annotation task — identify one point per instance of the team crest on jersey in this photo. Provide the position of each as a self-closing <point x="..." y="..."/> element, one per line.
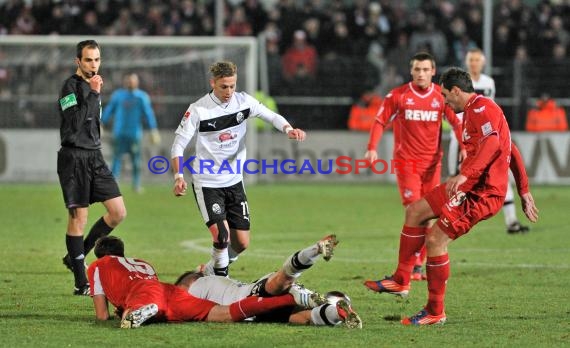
<point x="216" y="208"/>
<point x="409" y="101"/>
<point x="435" y="104"/>
<point x="184" y="118"/>
<point x="240" y="117"/>
<point x="408" y="193"/>
<point x="225" y="136"/>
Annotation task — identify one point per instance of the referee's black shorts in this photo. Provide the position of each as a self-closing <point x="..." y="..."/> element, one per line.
<point x="84" y="177"/>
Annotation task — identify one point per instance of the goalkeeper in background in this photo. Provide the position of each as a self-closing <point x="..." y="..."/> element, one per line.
<point x="129" y="107"/>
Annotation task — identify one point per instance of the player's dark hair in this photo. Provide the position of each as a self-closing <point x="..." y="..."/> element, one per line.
<point x="456" y="77"/>
<point x="109" y="245"/>
<point x="187" y="276"/>
<point x="86" y="43"/>
<point x="421" y="56"/>
<point x="223" y="69"/>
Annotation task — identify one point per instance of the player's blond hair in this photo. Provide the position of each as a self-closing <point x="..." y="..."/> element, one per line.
<point x="223" y="69"/>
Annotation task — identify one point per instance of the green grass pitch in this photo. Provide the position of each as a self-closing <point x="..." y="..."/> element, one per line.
<point x="504" y="290"/>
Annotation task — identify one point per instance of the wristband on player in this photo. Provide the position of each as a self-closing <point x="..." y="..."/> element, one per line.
<point x="178" y="176"/>
<point x="288" y="129"/>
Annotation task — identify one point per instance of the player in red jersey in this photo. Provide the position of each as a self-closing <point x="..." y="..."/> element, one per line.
<point x="416" y="110"/>
<point x="475" y="194"/>
<point x="132" y="286"/>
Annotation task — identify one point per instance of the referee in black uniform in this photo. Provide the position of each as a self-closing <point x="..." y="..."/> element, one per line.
<point x="83" y="174"/>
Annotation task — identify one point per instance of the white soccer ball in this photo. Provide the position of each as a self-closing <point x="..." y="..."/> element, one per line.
<point x="334" y="296"/>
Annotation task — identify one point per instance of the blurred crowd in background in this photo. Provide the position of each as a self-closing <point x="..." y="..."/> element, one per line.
<point x="333" y="47"/>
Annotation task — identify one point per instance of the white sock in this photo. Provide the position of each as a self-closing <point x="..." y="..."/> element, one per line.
<point x="509" y="209"/>
<point x="510" y="213"/>
<point x="300" y="261"/>
<point x="220" y="258"/>
<point x="326" y="314"/>
<point x="308" y="255"/>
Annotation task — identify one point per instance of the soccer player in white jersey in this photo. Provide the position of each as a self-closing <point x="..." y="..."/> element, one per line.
<point x="216" y="126"/>
<point x="484" y="84"/>
<point x="224" y="290"/>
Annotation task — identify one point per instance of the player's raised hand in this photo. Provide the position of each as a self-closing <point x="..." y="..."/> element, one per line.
<point x="297" y="134"/>
<point x="180" y="187"/>
<point x="371" y="155"/>
<point x="529" y="208"/>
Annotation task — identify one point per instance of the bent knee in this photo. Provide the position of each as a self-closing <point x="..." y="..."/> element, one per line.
<point x="243" y="245"/>
<point x="418" y="213"/>
<point x="413" y="214"/>
<point x="117" y="216"/>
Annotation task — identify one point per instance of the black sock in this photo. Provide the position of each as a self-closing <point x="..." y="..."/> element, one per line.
<point x="99" y="229"/>
<point x="224" y="271"/>
<point x="75" y="250"/>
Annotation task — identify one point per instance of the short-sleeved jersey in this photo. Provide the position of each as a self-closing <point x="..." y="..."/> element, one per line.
<point x="114" y="276"/>
<point x="416" y="116"/>
<point x="219" y="131"/>
<point x="483" y="118"/>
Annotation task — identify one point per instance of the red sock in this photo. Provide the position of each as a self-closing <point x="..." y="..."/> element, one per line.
<point x="411" y="240"/>
<point x="421" y="256"/>
<point x="437" y="275"/>
<point x="251" y="306"/>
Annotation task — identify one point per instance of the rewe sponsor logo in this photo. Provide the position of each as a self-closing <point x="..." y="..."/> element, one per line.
<point x="421" y="115"/>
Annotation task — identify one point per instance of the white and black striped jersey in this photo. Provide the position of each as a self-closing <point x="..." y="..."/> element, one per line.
<point x="485" y="85"/>
<point x="217" y="131"/>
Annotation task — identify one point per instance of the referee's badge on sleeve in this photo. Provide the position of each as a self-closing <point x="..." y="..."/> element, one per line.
<point x="68" y="101"/>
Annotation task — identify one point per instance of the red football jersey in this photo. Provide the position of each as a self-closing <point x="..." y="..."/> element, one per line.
<point x="114" y="276"/>
<point x="483" y="118"/>
<point x="416" y="116"/>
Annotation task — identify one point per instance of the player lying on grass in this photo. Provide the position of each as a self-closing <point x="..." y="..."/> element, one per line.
<point x="132" y="286"/>
<point x="225" y="291"/>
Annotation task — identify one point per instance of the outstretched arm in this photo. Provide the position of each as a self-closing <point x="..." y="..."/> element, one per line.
<point x="521" y="179"/>
<point x="385" y="115"/>
<point x="278" y="121"/>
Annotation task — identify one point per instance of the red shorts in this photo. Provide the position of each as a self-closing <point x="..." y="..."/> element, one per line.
<point x="458" y="214"/>
<point x="414" y="186"/>
<point x="174" y="304"/>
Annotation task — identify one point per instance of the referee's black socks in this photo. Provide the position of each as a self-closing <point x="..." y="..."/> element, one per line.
<point x="99" y="229"/>
<point x="75" y="251"/>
